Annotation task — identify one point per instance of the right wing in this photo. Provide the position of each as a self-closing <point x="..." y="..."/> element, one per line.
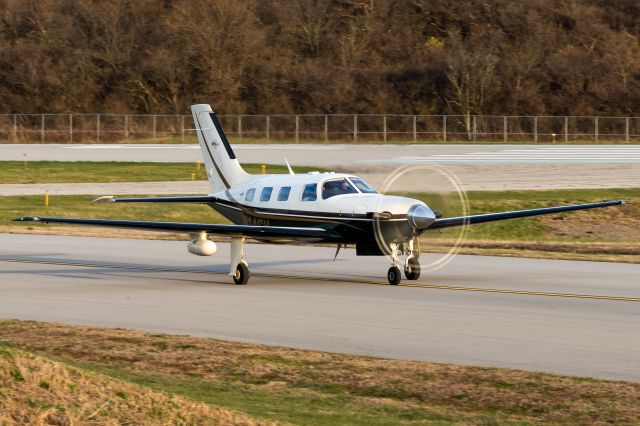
<point x="493" y="217"/>
<point x="257" y="232"/>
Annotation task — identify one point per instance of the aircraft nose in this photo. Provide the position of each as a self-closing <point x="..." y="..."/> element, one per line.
<point x="420" y="216"/>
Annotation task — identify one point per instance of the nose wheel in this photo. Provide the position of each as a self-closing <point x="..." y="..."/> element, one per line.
<point x="411" y="265"/>
<point x="412" y="269"/>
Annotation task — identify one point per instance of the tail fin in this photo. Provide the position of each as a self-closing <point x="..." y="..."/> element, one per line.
<point x="223" y="168"/>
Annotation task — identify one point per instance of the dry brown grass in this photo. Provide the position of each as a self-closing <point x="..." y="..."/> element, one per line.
<point x="518" y="395"/>
<point x="37" y="391"/>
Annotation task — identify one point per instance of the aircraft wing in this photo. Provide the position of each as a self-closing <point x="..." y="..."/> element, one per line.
<point x="493" y="217"/>
<point x="258" y="232"/>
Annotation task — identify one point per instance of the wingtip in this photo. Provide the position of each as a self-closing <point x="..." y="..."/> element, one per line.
<point x="104" y="199"/>
<point x="27" y="219"/>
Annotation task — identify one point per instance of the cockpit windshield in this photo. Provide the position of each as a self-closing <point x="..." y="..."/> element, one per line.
<point x="334" y="187"/>
<point x="363" y="186"/>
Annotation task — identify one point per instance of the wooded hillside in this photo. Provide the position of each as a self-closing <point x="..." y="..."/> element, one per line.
<point x="575" y="57"/>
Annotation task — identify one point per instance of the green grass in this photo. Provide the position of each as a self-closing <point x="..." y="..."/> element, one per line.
<point x="286" y="404"/>
<point x="15" y="172"/>
<point x="81" y="206"/>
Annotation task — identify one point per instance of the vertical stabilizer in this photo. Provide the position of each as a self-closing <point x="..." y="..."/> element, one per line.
<point x="223" y="168"/>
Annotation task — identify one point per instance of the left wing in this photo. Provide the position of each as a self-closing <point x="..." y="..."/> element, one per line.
<point x="191" y="228"/>
<point x="493" y="217"/>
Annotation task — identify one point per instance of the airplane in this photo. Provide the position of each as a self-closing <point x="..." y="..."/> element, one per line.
<point x="336" y="208"/>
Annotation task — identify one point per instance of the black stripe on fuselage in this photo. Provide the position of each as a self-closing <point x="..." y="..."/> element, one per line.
<point x="286" y="212"/>
<point x="206" y="144"/>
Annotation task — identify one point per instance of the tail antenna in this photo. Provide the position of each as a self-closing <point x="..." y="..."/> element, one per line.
<point x="288" y="166"/>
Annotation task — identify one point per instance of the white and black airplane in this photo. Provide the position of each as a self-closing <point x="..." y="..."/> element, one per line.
<point x="304" y="208"/>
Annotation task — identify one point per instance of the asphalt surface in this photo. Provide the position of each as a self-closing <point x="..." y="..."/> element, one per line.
<point x="568" y="317"/>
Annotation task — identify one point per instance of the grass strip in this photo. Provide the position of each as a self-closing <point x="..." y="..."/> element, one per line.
<point x="319" y="388"/>
<point x="16" y="172"/>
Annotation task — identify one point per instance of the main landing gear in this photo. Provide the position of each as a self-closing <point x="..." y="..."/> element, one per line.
<point x="239" y="269"/>
<point x="411" y="264"/>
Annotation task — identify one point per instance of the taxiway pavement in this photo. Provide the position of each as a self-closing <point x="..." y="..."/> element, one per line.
<point x="568" y="317"/>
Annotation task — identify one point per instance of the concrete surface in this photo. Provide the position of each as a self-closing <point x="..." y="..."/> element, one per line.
<point x="299" y="297"/>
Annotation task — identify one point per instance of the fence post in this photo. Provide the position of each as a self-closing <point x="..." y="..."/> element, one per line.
<point x="326" y="127"/>
<point x="415" y="129"/>
<point x="384" y="127"/>
<point x="42" y="128"/>
<point x="355" y="127"/>
<point x="504" y="128"/>
<point x="240" y="127"/>
<point x="15" y="127"/>
<point x="97" y="127"/>
<point x="155" y="126"/>
<point x="71" y="128"/>
<point x="474" y="128"/>
<point x="182" y="128"/>
<point x="444" y="128"/>
<point x="535" y="129"/>
<point x="626" y="129"/>
<point x="268" y="127"/>
<point x="126" y="127"/>
<point x="566" y="129"/>
<point x="297" y="128"/>
<point x="595" y="124"/>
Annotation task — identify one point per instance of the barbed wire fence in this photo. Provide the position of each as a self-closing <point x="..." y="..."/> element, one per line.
<point x="105" y="128"/>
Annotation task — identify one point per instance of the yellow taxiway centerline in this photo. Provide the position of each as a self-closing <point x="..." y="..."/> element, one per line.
<point x="426" y="286"/>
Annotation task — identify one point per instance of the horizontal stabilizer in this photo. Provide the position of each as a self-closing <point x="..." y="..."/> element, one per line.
<point x="181" y="199"/>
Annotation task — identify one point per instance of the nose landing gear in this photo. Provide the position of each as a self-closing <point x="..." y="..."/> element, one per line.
<point x="411" y="265"/>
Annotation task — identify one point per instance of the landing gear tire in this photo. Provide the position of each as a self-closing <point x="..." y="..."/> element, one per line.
<point x="394" y="276"/>
<point x="412" y="269"/>
<point x="242" y="274"/>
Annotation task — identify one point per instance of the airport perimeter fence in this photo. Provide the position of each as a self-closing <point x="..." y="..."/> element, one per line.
<point x="105" y="128"/>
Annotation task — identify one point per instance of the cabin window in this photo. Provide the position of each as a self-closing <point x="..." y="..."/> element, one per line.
<point x="265" y="195"/>
<point x="283" y="194"/>
<point x="250" y="194"/>
<point x="363" y="186"/>
<point x="309" y="193"/>
<point x="331" y="188"/>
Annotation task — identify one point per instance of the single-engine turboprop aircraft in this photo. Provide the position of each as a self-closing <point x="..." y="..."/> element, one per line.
<point x="314" y="207"/>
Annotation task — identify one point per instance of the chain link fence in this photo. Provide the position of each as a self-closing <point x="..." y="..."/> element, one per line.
<point x="103" y="128"/>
